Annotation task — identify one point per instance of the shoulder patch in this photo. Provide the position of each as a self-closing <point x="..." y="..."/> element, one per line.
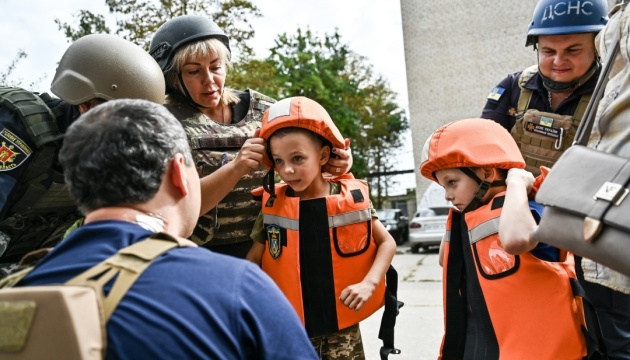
<point x="496" y="93"/>
<point x="13" y="151"/>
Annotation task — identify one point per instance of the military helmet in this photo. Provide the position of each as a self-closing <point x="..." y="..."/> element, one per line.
<point x="564" y="17"/>
<point x="300" y="112"/>
<point x="182" y="30"/>
<point x="107" y="67"/>
<point x="470" y="143"/>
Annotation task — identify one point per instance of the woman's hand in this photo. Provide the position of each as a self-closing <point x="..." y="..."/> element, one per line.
<point x="341" y="162"/>
<point x="251" y="154"/>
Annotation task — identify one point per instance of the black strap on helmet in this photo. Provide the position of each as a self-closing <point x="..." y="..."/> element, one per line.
<point x="481" y="190"/>
<point x="186" y="93"/>
<point x="269" y="185"/>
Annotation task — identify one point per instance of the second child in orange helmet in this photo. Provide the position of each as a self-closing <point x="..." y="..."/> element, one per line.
<point x="505" y="295"/>
<point x="319" y="238"/>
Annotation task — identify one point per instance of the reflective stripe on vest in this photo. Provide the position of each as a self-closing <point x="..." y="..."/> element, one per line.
<point x="333" y="221"/>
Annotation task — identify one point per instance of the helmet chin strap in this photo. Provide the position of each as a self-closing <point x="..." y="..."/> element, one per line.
<point x="269" y="182"/>
<point x="483" y="188"/>
<point x="188" y="97"/>
<point x="560" y="87"/>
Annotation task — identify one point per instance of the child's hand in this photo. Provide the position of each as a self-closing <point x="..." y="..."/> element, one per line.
<point x="520" y="176"/>
<point x="538" y="182"/>
<point x="355" y="296"/>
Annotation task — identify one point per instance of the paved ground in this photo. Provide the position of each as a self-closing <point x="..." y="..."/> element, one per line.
<point x="419" y="325"/>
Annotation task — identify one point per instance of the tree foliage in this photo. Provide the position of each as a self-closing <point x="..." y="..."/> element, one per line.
<point x="7" y="77"/>
<point x="322" y="68"/>
<point x="137" y="20"/>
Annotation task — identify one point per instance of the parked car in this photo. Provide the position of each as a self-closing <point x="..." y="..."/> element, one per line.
<point x="395" y="222"/>
<point x="427" y="227"/>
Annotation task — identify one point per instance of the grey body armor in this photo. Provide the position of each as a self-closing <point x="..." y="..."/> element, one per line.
<point x="214" y="145"/>
<point x="542" y="136"/>
<point x="41" y="208"/>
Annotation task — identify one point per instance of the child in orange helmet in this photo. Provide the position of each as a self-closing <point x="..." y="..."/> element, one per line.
<point x="505" y="295"/>
<point x="319" y="238"/>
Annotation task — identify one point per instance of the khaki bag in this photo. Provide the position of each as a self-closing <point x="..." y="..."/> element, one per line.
<point x="68" y="321"/>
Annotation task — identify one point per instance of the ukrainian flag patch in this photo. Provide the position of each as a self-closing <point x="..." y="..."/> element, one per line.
<point x="496" y="93"/>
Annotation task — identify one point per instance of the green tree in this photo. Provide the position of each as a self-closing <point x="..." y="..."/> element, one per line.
<point x="7" y="77"/>
<point x="259" y="75"/>
<point x="361" y="103"/>
<point x="137" y="20"/>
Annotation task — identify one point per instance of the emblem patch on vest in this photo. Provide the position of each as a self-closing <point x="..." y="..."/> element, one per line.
<point x="274" y="238"/>
<point x="13" y="151"/>
<point x="543" y="129"/>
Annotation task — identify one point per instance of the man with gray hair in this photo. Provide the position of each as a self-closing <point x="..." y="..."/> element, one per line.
<point x="128" y="165"/>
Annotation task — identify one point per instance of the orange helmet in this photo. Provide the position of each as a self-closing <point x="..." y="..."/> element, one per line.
<point x="470" y="143"/>
<point x="300" y="112"/>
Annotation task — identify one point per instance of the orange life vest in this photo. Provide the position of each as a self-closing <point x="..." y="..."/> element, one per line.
<point x="316" y="248"/>
<point x="509" y="306"/>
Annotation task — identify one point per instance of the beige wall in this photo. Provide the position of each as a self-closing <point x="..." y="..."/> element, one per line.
<point x="456" y="52"/>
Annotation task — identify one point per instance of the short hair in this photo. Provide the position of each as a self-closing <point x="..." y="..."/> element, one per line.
<point x="116" y="153"/>
<point x="200" y="49"/>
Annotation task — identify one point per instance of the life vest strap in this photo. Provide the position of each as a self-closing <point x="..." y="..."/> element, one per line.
<point x="595" y="346"/>
<point x="392" y="308"/>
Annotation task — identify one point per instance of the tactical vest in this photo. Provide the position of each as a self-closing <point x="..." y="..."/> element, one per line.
<point x="543" y="137"/>
<point x="508" y="306"/>
<point x="214" y="145"/>
<point x="321" y="246"/>
<point x="68" y="321"/>
<point x="41" y="207"/>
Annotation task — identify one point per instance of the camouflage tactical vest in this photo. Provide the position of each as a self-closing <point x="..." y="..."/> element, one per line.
<point x="214" y="145"/>
<point x="541" y="136"/>
<point x="41" y="206"/>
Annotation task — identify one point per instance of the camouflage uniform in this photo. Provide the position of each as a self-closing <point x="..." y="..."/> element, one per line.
<point x="345" y="344"/>
<point x="226" y="228"/>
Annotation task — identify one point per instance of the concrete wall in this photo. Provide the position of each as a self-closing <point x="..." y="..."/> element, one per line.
<point x="456" y="52"/>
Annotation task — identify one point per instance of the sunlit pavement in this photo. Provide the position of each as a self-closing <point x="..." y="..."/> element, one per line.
<point x="419" y="325"/>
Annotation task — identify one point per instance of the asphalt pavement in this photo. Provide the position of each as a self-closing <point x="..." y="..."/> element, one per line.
<point x="419" y="326"/>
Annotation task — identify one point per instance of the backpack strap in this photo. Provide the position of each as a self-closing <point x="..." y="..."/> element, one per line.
<point x="526" y="94"/>
<point x="15" y="277"/>
<point x="36" y="116"/>
<point x="126" y="266"/>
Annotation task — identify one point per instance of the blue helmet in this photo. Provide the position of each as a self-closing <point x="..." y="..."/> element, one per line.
<point x="563" y="17"/>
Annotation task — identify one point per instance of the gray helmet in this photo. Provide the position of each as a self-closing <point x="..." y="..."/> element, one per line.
<point x="180" y="31"/>
<point x="561" y="17"/>
<point x="107" y="67"/>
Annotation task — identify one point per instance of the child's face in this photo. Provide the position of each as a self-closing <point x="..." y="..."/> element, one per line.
<point x="460" y="188"/>
<point x="298" y="158"/>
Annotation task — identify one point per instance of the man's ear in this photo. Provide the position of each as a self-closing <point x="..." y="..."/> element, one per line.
<point x="178" y="174"/>
<point x="324" y="155"/>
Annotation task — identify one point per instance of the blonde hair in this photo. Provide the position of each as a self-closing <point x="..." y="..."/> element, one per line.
<point x="199" y="49"/>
